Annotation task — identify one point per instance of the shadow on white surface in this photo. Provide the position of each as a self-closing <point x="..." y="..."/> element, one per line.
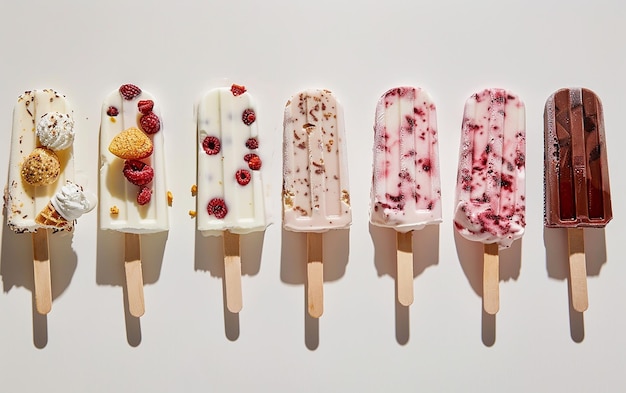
<point x="557" y="266"/>
<point x="471" y="257"/>
<point x="110" y="269"/>
<point x="209" y="257"/>
<point x="336" y="244"/>
<point x="425" y="254"/>
<point x="16" y="268"/>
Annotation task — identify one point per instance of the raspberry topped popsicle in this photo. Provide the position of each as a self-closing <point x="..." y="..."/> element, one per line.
<point x="230" y="194"/>
<point x="133" y="193"/>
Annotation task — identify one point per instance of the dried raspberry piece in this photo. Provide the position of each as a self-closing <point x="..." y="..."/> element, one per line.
<point x="150" y="123"/>
<point x="144" y="195"/>
<point x="145" y="106"/>
<point x="138" y="172"/>
<point x="217" y="207"/>
<point x="252" y="143"/>
<point x="248" y="117"/>
<point x="249" y="156"/>
<point x="237" y="89"/>
<point x="129" y="91"/>
<point x="211" y="145"/>
<point x="113" y="111"/>
<point x="255" y="163"/>
<point x="243" y="177"/>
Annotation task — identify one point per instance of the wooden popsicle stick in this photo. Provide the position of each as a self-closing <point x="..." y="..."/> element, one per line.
<point x="232" y="272"/>
<point x="404" y="262"/>
<point x="491" y="279"/>
<point x="577" y="269"/>
<point x="315" y="275"/>
<point x="134" y="275"/>
<point x="41" y="267"/>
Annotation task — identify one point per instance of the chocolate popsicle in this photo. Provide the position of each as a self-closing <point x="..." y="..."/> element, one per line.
<point x="576" y="179"/>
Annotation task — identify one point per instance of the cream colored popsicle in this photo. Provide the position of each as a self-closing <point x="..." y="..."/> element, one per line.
<point x="406" y="191"/>
<point x="315" y="178"/>
<point x="491" y="198"/>
<point x="229" y="185"/>
<point x="40" y="193"/>
<point x="133" y="193"/>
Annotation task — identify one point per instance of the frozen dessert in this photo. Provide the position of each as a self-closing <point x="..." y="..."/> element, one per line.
<point x="230" y="193"/>
<point x="133" y="195"/>
<point x="490" y="190"/>
<point x="230" y="190"/>
<point x="406" y="191"/>
<point x="577" y="193"/>
<point x="41" y="192"/>
<point x="315" y="178"/>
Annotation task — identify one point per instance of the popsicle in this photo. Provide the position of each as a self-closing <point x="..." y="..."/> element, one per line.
<point x="315" y="178"/>
<point x="490" y="191"/>
<point x="576" y="177"/>
<point x="229" y="184"/>
<point x="133" y="193"/>
<point x="406" y="191"/>
<point x="40" y="191"/>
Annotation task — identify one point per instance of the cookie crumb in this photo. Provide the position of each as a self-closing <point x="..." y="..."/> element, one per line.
<point x="192" y="213"/>
<point x="114" y="210"/>
<point x="194" y="190"/>
<point x="170" y="198"/>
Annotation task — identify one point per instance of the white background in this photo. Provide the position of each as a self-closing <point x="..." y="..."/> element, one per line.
<point x="186" y="342"/>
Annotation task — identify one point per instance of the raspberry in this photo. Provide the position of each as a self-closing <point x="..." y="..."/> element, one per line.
<point x="138" y="172"/>
<point x="255" y="163"/>
<point x="211" y="145"/>
<point x="113" y="111"/>
<point x="252" y="143"/>
<point x="144" y="195"/>
<point x="237" y="89"/>
<point x="150" y="123"/>
<point x="217" y="207"/>
<point x="145" y="106"/>
<point x="248" y="117"/>
<point x="243" y="177"/>
<point x="129" y="91"/>
<point x="247" y="157"/>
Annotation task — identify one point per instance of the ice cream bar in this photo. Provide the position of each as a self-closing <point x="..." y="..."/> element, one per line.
<point x="40" y="193"/>
<point x="577" y="192"/>
<point x="230" y="189"/>
<point x="576" y="177"/>
<point x="315" y="176"/>
<point x="406" y="191"/>
<point x="229" y="185"/>
<point x="37" y="172"/>
<point x="490" y="190"/>
<point x="133" y="194"/>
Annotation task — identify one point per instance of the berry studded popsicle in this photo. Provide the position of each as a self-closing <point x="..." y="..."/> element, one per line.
<point x="576" y="177"/>
<point x="229" y="185"/>
<point x="406" y="191"/>
<point x="315" y="178"/>
<point x="133" y="194"/>
<point x="41" y="194"/>
<point x="490" y="191"/>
